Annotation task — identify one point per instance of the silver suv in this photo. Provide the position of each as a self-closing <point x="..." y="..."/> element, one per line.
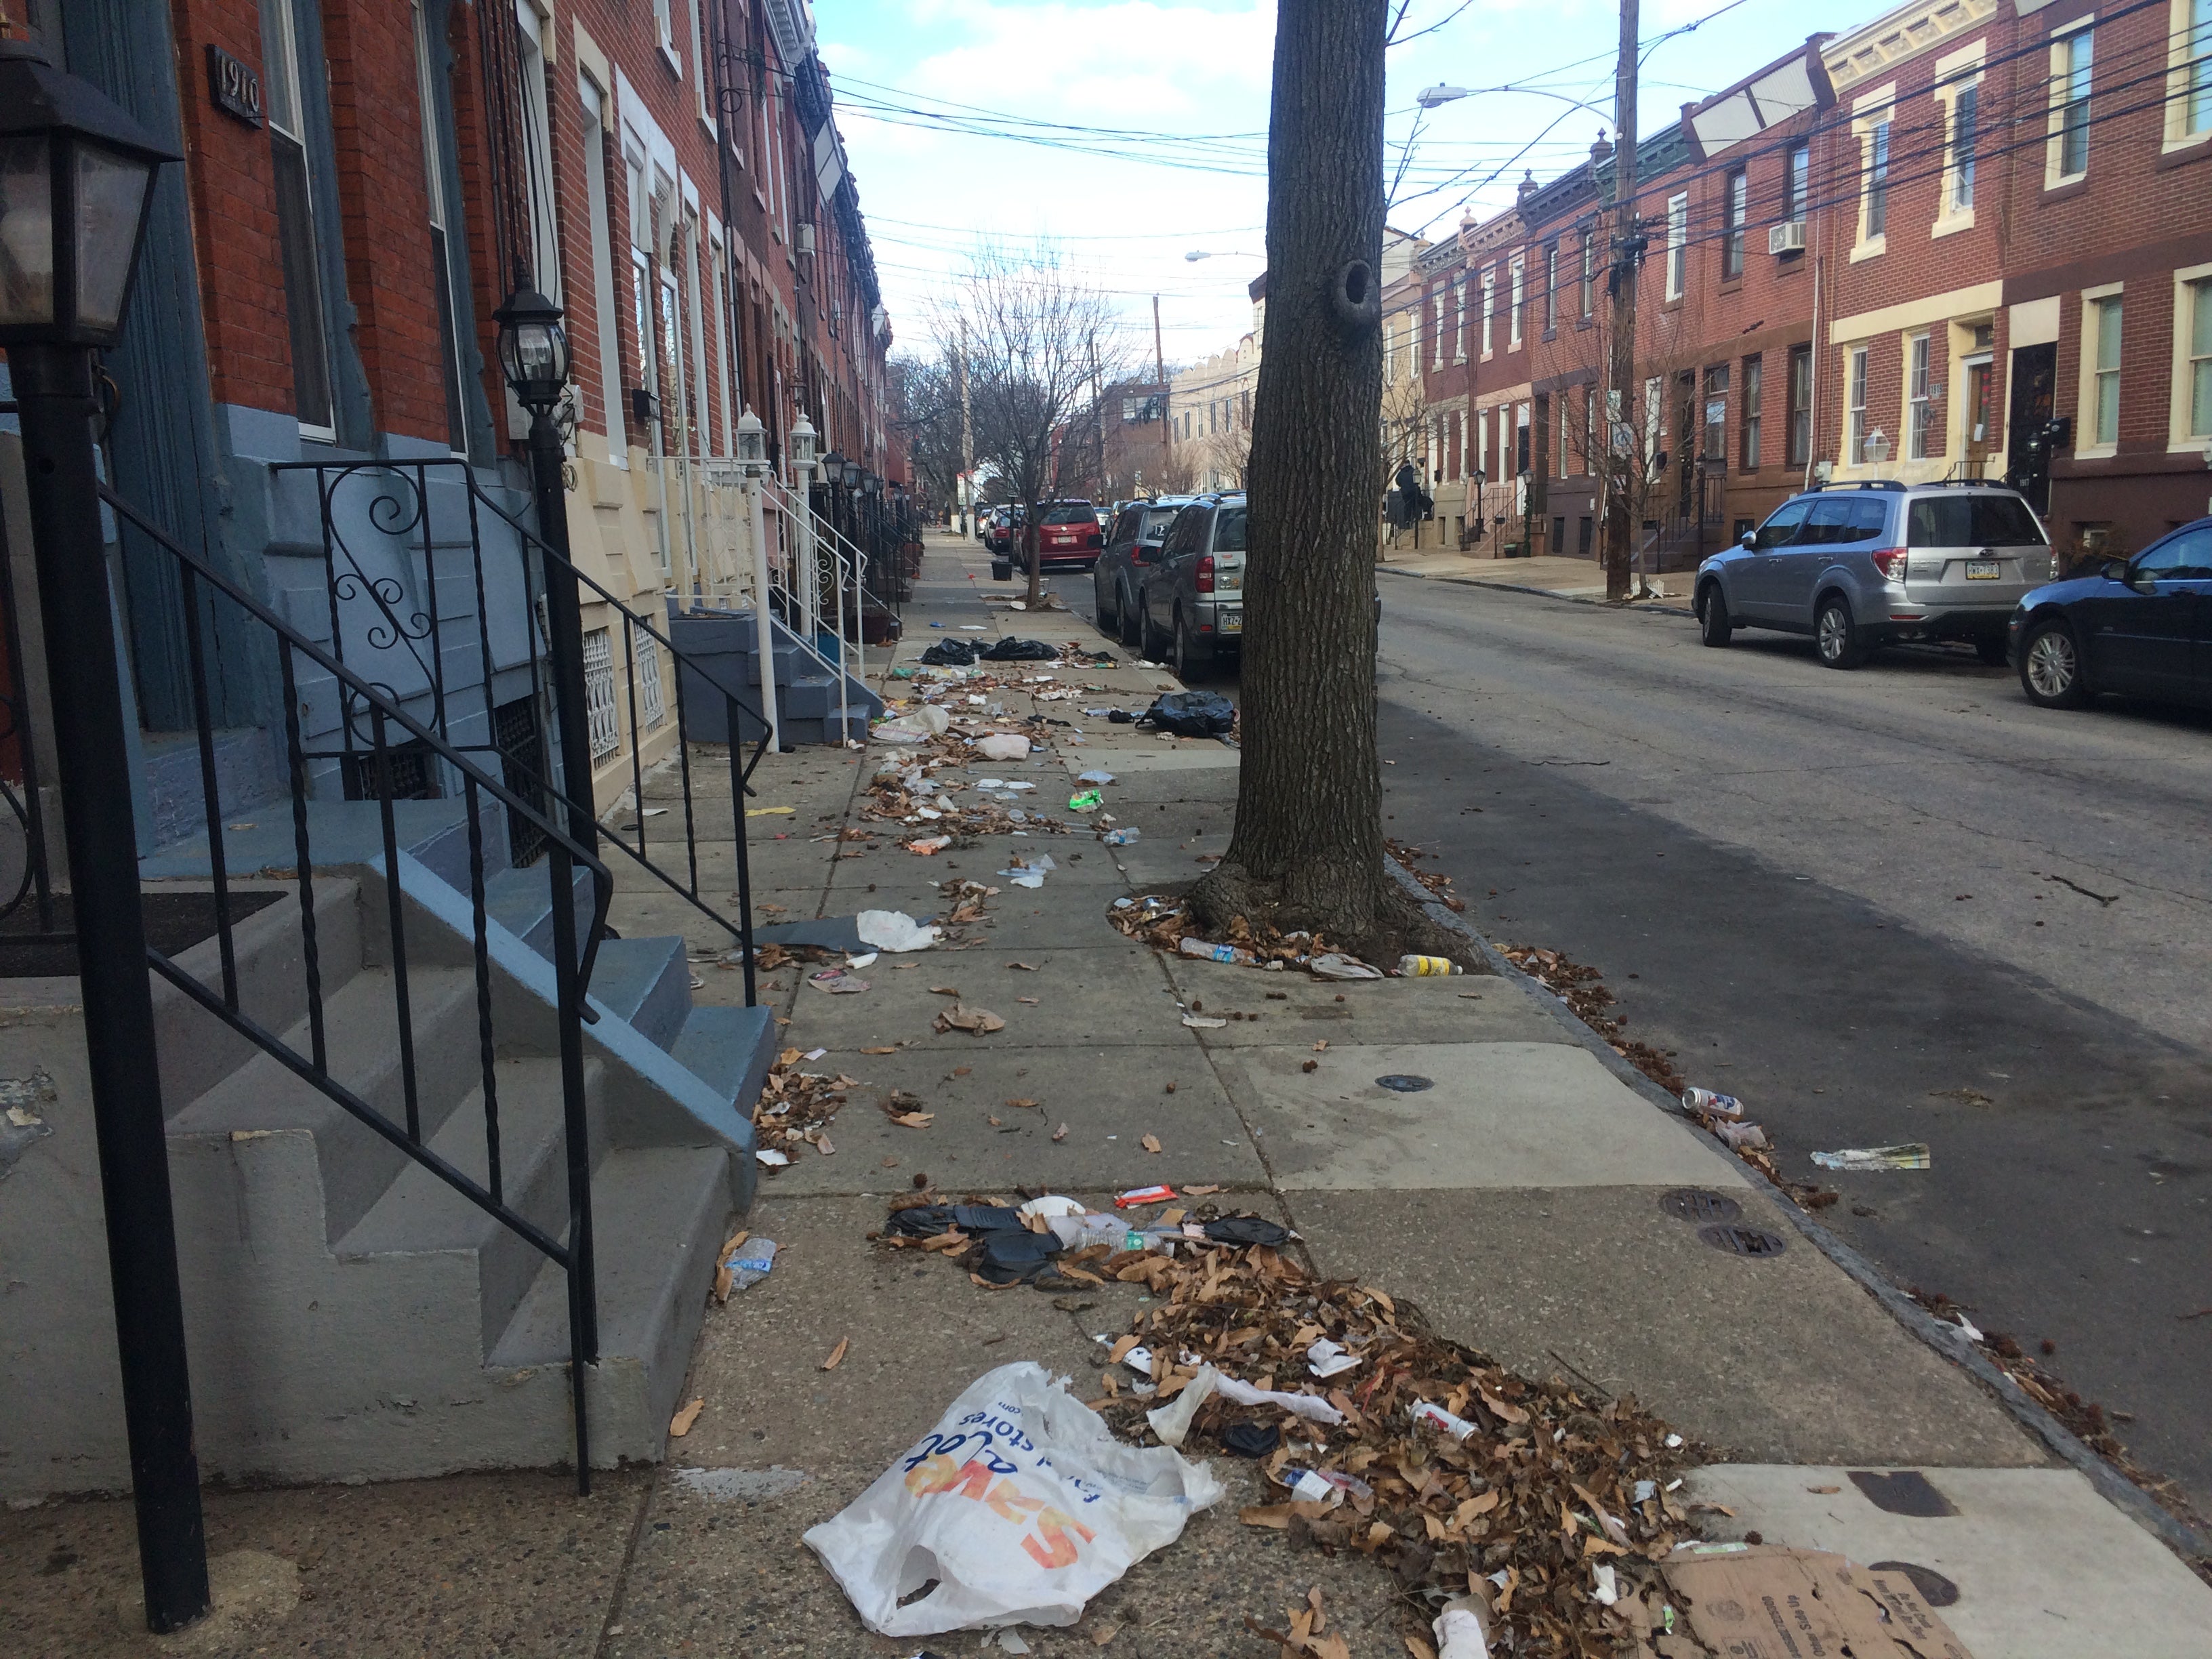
<point x="1191" y="602"/>
<point x="1132" y="547"/>
<point x="1857" y="567"/>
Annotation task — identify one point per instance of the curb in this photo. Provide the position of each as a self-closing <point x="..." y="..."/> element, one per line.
<point x="1540" y="592"/>
<point x="1947" y="1340"/>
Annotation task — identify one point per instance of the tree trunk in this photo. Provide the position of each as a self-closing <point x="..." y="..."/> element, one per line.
<point x="1307" y="848"/>
<point x="1035" y="597"/>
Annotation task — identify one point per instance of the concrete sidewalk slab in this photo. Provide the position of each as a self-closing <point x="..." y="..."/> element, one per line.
<point x="1430" y="1011"/>
<point x="2040" y="1565"/>
<point x="1779" y="1358"/>
<point x="1498" y="1115"/>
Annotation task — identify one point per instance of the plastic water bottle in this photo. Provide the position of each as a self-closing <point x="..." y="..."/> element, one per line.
<point x="1420" y="967"/>
<point x="1198" y="949"/>
<point x="1121" y="837"/>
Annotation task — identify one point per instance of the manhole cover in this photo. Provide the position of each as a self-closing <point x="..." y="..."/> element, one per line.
<point x="1741" y="1241"/>
<point x="1694" y="1204"/>
<point x="1405" y="1082"/>
<point x="1935" y="1589"/>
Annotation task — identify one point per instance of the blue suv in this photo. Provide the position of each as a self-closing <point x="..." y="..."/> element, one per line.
<point x="1857" y="567"/>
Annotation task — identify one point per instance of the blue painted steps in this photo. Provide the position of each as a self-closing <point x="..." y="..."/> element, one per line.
<point x="726" y="645"/>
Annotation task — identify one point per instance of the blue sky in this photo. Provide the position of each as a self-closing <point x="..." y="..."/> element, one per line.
<point x="1191" y="77"/>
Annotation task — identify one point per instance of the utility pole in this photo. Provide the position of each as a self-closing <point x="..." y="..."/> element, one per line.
<point x="967" y="436"/>
<point x="1627" y="260"/>
<point x="1160" y="374"/>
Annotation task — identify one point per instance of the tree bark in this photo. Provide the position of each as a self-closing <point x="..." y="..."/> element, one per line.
<point x="1307" y="848"/>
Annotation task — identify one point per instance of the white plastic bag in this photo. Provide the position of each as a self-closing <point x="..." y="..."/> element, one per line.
<point x="1019" y="1503"/>
<point x="1003" y="746"/>
<point x="918" y="726"/>
<point x="893" y="931"/>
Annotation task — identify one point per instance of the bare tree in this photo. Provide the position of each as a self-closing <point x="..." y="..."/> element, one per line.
<point x="1307" y="848"/>
<point x="924" y="411"/>
<point x="1621" y="444"/>
<point x="1035" y="343"/>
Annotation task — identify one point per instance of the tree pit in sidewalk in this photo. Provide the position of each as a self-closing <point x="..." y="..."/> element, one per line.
<point x="1166" y="916"/>
<point x="1454" y="1474"/>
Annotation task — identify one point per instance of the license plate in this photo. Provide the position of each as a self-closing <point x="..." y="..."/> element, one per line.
<point x="1984" y="570"/>
<point x="1232" y="621"/>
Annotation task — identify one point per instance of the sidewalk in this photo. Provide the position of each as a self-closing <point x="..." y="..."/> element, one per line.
<point x="1560" y="577"/>
<point x="1516" y="1201"/>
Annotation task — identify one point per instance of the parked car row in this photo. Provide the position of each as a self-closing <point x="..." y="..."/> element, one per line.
<point x="1858" y="567"/>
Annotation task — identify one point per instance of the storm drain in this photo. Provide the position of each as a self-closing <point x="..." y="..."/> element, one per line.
<point x="1405" y="1082"/>
<point x="1695" y="1204"/>
<point x="1741" y="1241"/>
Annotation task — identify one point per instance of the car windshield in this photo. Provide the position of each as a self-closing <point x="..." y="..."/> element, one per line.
<point x="1069" y="513"/>
<point x="1971" y="520"/>
<point x="1229" y="531"/>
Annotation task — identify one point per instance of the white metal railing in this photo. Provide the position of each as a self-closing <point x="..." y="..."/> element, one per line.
<point x="806" y="556"/>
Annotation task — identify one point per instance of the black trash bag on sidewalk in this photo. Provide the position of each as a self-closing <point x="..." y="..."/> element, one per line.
<point x="950" y="653"/>
<point x="1018" y="650"/>
<point x="1250" y="1439"/>
<point x="1247" y="1229"/>
<point x="1191" y="715"/>
<point x="1009" y="1255"/>
<point x="928" y="1220"/>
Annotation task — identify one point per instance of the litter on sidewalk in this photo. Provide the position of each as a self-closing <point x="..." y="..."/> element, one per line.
<point x="1191" y="714"/>
<point x="1912" y="1155"/>
<point x="893" y="931"/>
<point x="1020" y="1506"/>
<point x="1732" y="1598"/>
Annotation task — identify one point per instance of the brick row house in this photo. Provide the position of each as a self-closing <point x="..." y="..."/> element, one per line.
<point x="310" y="378"/>
<point x="1968" y="239"/>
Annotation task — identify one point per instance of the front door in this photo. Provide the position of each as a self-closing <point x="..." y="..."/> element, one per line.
<point x="2027" y="458"/>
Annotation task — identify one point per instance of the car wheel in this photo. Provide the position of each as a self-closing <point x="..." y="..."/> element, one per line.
<point x="2051" y="668"/>
<point x="1836" y="635"/>
<point x="1991" y="648"/>
<point x="1109" y="621"/>
<point x="1715" y="626"/>
<point x="1187" y="662"/>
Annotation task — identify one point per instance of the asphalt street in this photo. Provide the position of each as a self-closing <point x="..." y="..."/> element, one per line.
<point x="1895" y="905"/>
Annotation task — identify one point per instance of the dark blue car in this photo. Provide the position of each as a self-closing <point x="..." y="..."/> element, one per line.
<point x="2141" y="626"/>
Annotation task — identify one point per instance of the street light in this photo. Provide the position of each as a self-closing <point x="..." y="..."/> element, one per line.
<point x="1198" y="253"/>
<point x="77" y="180"/>
<point x="1431" y="97"/>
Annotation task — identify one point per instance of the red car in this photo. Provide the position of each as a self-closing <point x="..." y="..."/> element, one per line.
<point x="1068" y="534"/>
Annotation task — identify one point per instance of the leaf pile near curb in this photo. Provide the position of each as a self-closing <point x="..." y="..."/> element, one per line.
<point x="795" y="1106"/>
<point x="1438" y="883"/>
<point x="1162" y="922"/>
<point x="1551" y="1485"/>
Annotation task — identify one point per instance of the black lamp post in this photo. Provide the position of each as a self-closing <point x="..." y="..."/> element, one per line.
<point x="833" y="483"/>
<point x="76" y="175"/>
<point x="533" y="354"/>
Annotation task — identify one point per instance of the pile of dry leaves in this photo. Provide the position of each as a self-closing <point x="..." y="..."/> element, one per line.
<point x="1439" y="885"/>
<point x="1162" y="922"/>
<point x="1548" y="1507"/>
<point x="795" y="1106"/>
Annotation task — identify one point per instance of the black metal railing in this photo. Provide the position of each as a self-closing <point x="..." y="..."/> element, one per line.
<point x="390" y="729"/>
<point x="19" y="796"/>
<point x="469" y="713"/>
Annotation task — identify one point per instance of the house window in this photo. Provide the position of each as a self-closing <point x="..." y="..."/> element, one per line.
<point x="538" y="156"/>
<point x="1800" y="453"/>
<point x="1796" y="180"/>
<point x="1436" y="355"/>
<point x="601" y="206"/>
<point x="1459" y="319"/>
<point x="2193" y="98"/>
<point x="1735" y="197"/>
<point x="652" y="699"/>
<point x="1551" y="287"/>
<point x="1678" y="244"/>
<point x="1518" y="272"/>
<point x="433" y="179"/>
<point x="664" y="20"/>
<point x="1651" y="418"/>
<point x="1877" y="180"/>
<point x="2070" y="60"/>
<point x="1716" y="390"/>
<point x="2104" y="354"/>
<point x="1489" y="302"/>
<point x="605" y="724"/>
<point x="1965" y="111"/>
<point x="1590" y="264"/>
<point x="296" y="220"/>
<point x="1520" y="437"/>
<point x="1921" y="411"/>
<point x="2198" y="296"/>
<point x="1752" y="376"/>
<point x="1857" y="404"/>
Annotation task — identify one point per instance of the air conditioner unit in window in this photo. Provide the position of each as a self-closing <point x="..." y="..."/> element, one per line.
<point x="805" y="238"/>
<point x="1789" y="237"/>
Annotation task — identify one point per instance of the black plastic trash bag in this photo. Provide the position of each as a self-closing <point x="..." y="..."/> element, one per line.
<point x="1018" y="650"/>
<point x="1245" y="1229"/>
<point x="1011" y="1255"/>
<point x="1191" y="714"/>
<point x="950" y="653"/>
<point x="928" y="1220"/>
<point x="1250" y="1439"/>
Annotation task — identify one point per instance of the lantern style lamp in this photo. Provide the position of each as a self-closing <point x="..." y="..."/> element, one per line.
<point x="77" y="178"/>
<point x="852" y="475"/>
<point x="802" y="448"/>
<point x="870" y="483"/>
<point x="752" y="446"/>
<point x="534" y="349"/>
<point x="833" y="469"/>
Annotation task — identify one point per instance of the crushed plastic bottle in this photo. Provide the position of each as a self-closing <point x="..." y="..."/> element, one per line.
<point x="1420" y="967"/>
<point x="1086" y="800"/>
<point x="1122" y="837"/>
<point x="1203" y="951"/>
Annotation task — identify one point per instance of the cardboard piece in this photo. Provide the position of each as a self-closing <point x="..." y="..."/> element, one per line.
<point x="1768" y="1603"/>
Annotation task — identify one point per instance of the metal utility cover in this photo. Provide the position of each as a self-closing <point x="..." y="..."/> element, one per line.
<point x="1742" y="1241"/>
<point x="1695" y="1204"/>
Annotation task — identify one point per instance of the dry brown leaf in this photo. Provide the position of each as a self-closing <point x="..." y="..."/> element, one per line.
<point x="1026" y="967"/>
<point x="1105" y="1636"/>
<point x="1321" y="1046"/>
<point x="914" y="1119"/>
<point x="680" y="1425"/>
<point x="1151" y="1143"/>
<point x="1031" y="1103"/>
<point x="837" y="1354"/>
<point x="1119" y="1349"/>
<point x="887" y="1050"/>
<point x="1199" y="1192"/>
<point x="1417" y="1648"/>
<point x="1266" y="1515"/>
<point x="944" y="990"/>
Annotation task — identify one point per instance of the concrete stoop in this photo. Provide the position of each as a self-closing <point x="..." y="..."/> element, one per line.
<point x="806" y="683"/>
<point x="350" y="1315"/>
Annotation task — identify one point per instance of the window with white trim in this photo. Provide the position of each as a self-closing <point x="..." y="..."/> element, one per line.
<point x="1920" y="410"/>
<point x="1678" y="244"/>
<point x="1436" y="331"/>
<point x="1489" y="305"/>
<point x="2197" y="338"/>
<point x="2100" y="352"/>
<point x="1857" y="383"/>
<point x="1736" y="203"/>
<point x="450" y="331"/>
<point x="1589" y="271"/>
<point x="2071" y="56"/>
<point x="600" y="210"/>
<point x="601" y="720"/>
<point x="2189" y="77"/>
<point x="1875" y="193"/>
<point x="1551" y="287"/>
<point x="1519" y="271"/>
<point x="1459" y="319"/>
<point x="300" y="251"/>
<point x="1959" y="152"/>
